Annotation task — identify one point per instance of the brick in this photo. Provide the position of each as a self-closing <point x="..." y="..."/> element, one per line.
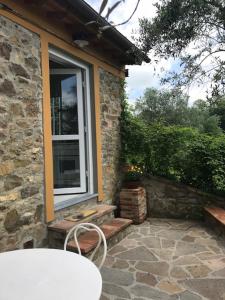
<point x="62" y="226"/>
<point x="133" y="204"/>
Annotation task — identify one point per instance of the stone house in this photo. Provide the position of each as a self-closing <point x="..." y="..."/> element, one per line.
<point x="60" y="105"/>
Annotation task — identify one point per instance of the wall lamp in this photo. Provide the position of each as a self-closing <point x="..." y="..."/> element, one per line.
<point x="81" y="39"/>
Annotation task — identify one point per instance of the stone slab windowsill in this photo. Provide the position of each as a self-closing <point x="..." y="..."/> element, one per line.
<point x="69" y="200"/>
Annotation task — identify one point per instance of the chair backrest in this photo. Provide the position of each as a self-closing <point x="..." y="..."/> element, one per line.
<point x="88" y="227"/>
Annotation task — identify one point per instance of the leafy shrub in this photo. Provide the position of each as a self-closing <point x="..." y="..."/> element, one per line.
<point x="182" y="154"/>
<point x="133" y="174"/>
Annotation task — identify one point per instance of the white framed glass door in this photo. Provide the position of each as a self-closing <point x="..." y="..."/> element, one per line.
<point x="67" y="115"/>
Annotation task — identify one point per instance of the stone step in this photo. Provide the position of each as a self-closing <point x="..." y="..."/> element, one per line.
<point x="88" y="240"/>
<point x="57" y="231"/>
<point x="215" y="218"/>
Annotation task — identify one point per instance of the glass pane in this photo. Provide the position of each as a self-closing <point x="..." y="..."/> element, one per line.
<point x="64" y="104"/>
<point x="66" y="164"/>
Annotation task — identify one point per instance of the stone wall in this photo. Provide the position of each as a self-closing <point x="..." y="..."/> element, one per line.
<point x="167" y="199"/>
<point x="110" y="97"/>
<point x="21" y="138"/>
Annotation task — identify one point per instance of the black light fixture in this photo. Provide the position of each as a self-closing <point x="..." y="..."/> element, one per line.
<point x="81" y="39"/>
<point x="126" y="72"/>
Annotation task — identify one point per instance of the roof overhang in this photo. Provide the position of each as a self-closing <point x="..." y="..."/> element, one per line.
<point x="70" y="18"/>
<point x="132" y="55"/>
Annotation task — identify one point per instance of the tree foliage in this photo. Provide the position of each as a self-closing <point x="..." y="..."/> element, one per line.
<point x="194" y="32"/>
<point x="217" y="107"/>
<point x="170" y="107"/>
<point x="179" y="153"/>
<point x="132" y="130"/>
<point x="190" y="149"/>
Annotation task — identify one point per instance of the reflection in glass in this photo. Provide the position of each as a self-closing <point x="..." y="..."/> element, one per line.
<point x="66" y="164"/>
<point x="64" y="104"/>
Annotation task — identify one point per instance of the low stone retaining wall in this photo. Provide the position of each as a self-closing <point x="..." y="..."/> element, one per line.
<point x="167" y="199"/>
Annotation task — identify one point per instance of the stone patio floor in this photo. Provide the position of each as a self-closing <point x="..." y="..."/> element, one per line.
<point x="166" y="259"/>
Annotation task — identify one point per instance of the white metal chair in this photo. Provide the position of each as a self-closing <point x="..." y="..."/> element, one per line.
<point x="88" y="227"/>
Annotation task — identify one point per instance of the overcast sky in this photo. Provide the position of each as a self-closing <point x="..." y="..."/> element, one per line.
<point x="141" y="77"/>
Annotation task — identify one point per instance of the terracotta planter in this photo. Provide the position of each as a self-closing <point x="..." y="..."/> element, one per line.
<point x="133" y="204"/>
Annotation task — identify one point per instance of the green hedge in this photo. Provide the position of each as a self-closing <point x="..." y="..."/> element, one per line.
<point x="178" y="153"/>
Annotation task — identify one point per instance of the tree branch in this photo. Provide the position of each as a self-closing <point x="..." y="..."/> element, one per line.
<point x="211" y="53"/>
<point x="136" y="7"/>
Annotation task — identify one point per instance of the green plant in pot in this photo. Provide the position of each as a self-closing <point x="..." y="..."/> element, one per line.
<point x="132" y="178"/>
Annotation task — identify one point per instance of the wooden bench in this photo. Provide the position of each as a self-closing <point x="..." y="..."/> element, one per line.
<point x="215" y="218"/>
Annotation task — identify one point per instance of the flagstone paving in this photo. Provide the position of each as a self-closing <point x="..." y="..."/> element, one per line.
<point x="165" y="259"/>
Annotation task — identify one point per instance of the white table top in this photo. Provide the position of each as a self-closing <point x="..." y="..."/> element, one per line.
<point x="48" y="274"/>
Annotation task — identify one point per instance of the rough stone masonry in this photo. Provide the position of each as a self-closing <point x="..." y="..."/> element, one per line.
<point x="22" y="221"/>
<point x="110" y="99"/>
<point x="21" y="138"/>
<point x="168" y="199"/>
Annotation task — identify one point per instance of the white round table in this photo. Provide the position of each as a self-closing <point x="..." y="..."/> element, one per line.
<point x="48" y="274"/>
